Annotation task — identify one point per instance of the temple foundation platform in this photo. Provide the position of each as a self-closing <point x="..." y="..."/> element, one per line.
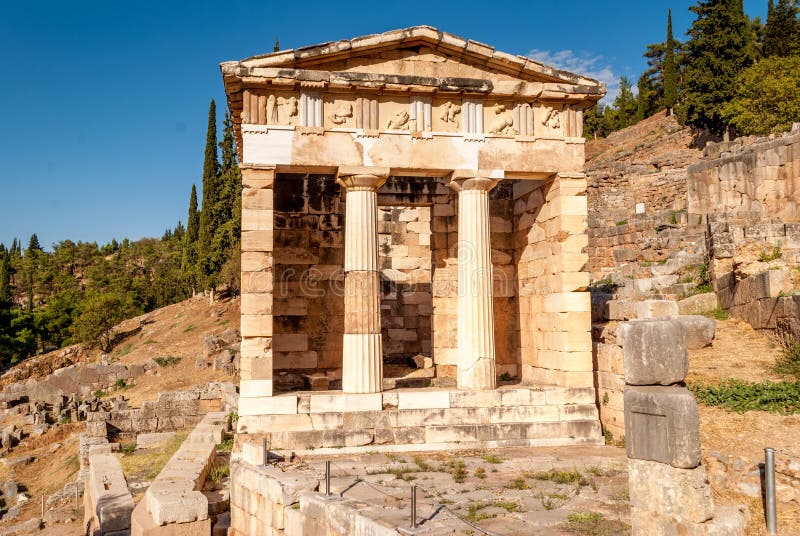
<point x="419" y="419"/>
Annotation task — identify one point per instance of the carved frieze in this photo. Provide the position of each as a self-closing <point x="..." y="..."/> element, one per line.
<point x="472" y="116"/>
<point x="502" y="122"/>
<point x="451" y="113"/>
<point x="399" y="121"/>
<point x="341" y="114"/>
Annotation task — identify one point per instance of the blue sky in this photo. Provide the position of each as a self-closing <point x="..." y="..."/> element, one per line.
<point x="104" y="103"/>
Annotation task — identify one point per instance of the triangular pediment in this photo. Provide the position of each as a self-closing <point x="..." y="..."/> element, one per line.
<point x="420" y="51"/>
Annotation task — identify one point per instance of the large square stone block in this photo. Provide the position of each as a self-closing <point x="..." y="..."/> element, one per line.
<point x="653" y="352"/>
<point x="662" y="425"/>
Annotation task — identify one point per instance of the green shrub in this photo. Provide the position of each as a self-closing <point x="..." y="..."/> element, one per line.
<point x="741" y="396"/>
<point x="167" y="361"/>
<point x="719" y="313"/>
<point x="767" y="255"/>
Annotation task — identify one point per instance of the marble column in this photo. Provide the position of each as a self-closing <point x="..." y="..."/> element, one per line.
<point x="476" y="357"/>
<point x="362" y="359"/>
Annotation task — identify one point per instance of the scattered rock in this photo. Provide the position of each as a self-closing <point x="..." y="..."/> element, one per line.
<point x="26" y="527"/>
<point x="63" y="514"/>
<point x="11" y="514"/>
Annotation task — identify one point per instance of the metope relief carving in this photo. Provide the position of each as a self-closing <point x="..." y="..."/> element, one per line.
<point x="502" y="122"/>
<point x="341" y="114"/>
<point x="553" y="119"/>
<point x="451" y="113"/>
<point x="269" y="109"/>
<point x="399" y="121"/>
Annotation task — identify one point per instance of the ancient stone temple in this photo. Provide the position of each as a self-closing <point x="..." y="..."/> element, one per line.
<point x="412" y="195"/>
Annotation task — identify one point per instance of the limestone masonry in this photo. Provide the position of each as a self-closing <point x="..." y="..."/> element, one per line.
<point x="409" y="193"/>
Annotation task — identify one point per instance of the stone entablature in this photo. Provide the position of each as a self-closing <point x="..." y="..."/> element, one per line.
<point x="408" y="100"/>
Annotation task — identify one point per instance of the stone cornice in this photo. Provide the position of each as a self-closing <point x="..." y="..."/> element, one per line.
<point x="452" y="45"/>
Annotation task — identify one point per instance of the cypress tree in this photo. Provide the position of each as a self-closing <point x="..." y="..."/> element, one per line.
<point x="226" y="241"/>
<point x="721" y="44"/>
<point x="31" y="261"/>
<point x="670" y="71"/>
<point x="189" y="256"/>
<point x="5" y="277"/>
<point x="209" y="220"/>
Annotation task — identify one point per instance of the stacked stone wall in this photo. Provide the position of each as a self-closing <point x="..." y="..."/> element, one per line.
<point x="417" y="232"/>
<point x="551" y="254"/>
<point x="614" y="194"/>
<point x="405" y="257"/>
<point x="609" y="379"/>
<point x="174" y="410"/>
<point x="308" y="302"/>
<point x="747" y="176"/>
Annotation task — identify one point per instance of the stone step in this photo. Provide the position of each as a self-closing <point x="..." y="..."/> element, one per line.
<point x="518" y="415"/>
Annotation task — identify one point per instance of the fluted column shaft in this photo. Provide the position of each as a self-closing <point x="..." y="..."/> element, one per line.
<point x="476" y="357"/>
<point x="362" y="360"/>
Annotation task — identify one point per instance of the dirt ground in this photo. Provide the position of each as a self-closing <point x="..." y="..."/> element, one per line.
<point x="738" y="352"/>
<point x="743" y="353"/>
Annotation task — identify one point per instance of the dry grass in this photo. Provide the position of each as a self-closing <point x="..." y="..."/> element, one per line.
<point x="741" y="352"/>
<point x="144" y="465"/>
<point x="738" y="352"/>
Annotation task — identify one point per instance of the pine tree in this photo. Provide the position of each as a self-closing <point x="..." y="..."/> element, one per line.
<point x="646" y="99"/>
<point x="209" y="219"/>
<point x="780" y="33"/>
<point x="625" y="105"/>
<point x="189" y="255"/>
<point x="670" y="71"/>
<point x="721" y="44"/>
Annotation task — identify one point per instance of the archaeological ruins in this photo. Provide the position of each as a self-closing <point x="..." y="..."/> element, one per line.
<point x="406" y="195"/>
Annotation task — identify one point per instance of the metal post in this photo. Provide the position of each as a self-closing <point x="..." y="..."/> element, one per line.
<point x="769" y="485"/>
<point x="43" y="506"/>
<point x="413" y="506"/>
<point x="327" y="478"/>
<point x="76" y="496"/>
<point x="266" y="451"/>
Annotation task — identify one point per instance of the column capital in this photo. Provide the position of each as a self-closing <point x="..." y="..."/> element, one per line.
<point x="466" y="179"/>
<point x="362" y="177"/>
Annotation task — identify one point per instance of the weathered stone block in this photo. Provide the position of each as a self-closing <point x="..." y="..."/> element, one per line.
<point x="681" y="494"/>
<point x="656" y="309"/>
<point x="663" y="425"/>
<point x="700" y="330"/>
<point x="654" y="352"/>
<point x="698" y="304"/>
